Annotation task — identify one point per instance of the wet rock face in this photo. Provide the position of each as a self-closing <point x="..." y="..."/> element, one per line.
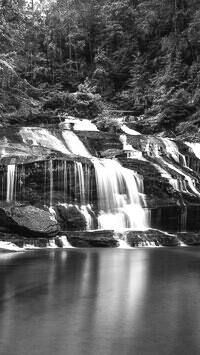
<point x="151" y="237"/>
<point x="47" y="176"/>
<point x="97" y="238"/>
<point x="49" y="182"/>
<point x="99" y="143"/>
<point x="166" y="218"/>
<point x="190" y="238"/>
<point x="70" y="218"/>
<point x="21" y="241"/>
<point x="29" y="221"/>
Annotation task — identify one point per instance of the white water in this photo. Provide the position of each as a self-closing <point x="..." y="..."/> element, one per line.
<point x="10" y="182"/>
<point x="130" y="131"/>
<point x="190" y="181"/>
<point x="8" y="246"/>
<point x="182" y="244"/>
<point x="81" y="181"/>
<point x="66" y="175"/>
<point x="86" y="212"/>
<point x="51" y="181"/>
<point x="30" y="247"/>
<point x="66" y="243"/>
<point x="155" y="145"/>
<point x="88" y="217"/>
<point x="182" y="182"/>
<point x="123" y="244"/>
<point x="122" y="241"/>
<point x="79" y="125"/>
<point x="74" y="144"/>
<point x="195" y="148"/>
<point x="51" y="244"/>
<point x="173" y="151"/>
<point x="42" y="137"/>
<point x="118" y="198"/>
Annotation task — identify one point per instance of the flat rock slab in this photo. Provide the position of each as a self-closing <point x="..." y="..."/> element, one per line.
<point x="149" y="237"/>
<point x="96" y="238"/>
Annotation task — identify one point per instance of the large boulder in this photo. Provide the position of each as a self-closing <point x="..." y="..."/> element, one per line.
<point x="96" y="238"/>
<point x="29" y="221"/>
<point x="70" y="217"/>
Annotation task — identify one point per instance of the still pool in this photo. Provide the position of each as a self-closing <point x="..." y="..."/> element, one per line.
<point x="100" y="302"/>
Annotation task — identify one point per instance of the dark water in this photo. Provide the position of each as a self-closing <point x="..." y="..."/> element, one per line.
<point x="100" y="302"/>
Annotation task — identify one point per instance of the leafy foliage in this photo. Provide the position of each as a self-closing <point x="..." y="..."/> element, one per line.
<point x="70" y="56"/>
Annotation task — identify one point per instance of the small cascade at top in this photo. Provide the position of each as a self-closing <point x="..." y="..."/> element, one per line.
<point x="195" y="148"/>
<point x="42" y="137"/>
<point x="74" y="144"/>
<point x="67" y="144"/>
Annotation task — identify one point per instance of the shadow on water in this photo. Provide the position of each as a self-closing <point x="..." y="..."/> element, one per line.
<point x="100" y="301"/>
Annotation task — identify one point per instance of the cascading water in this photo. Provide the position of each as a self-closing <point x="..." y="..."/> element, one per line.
<point x="184" y="182"/>
<point x="195" y="148"/>
<point x="119" y="190"/>
<point x="51" y="181"/>
<point x="42" y="137"/>
<point x="118" y="198"/>
<point x="173" y="151"/>
<point x="71" y="144"/>
<point x="79" y="175"/>
<point x="10" y="182"/>
<point x="65" y="242"/>
<point x="74" y="144"/>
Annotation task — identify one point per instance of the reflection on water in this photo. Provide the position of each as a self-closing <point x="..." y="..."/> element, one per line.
<point x="100" y="301"/>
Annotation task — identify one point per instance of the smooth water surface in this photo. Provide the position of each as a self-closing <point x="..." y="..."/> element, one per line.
<point x="100" y="302"/>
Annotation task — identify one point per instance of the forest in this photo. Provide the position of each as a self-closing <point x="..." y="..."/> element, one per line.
<point x="97" y="59"/>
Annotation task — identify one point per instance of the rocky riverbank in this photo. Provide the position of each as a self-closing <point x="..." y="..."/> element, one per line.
<point x="10" y="242"/>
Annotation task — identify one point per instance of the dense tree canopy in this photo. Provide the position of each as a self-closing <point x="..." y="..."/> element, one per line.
<point x="140" y="56"/>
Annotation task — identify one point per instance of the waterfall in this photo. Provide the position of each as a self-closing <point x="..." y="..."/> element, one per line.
<point x="10" y="182"/>
<point x="68" y="143"/>
<point x="190" y="181"/>
<point x="88" y="216"/>
<point x="51" y="244"/>
<point x="118" y="197"/>
<point x="173" y="151"/>
<point x="65" y="242"/>
<point x="42" y="137"/>
<point x="103" y="191"/>
<point x="157" y="146"/>
<point x="81" y="181"/>
<point x="74" y="144"/>
<point x="51" y="181"/>
<point x="195" y="148"/>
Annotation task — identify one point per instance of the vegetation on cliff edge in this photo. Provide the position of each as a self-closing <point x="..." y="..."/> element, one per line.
<point x="76" y="56"/>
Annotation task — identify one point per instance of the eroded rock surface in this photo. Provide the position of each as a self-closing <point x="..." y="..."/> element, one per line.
<point x="97" y="238"/>
<point x="29" y="221"/>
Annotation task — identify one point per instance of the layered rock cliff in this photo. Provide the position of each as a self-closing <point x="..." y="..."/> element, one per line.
<point x="44" y="168"/>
